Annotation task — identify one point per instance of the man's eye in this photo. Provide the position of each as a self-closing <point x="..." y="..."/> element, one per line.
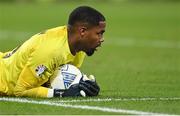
<point x="100" y="33"/>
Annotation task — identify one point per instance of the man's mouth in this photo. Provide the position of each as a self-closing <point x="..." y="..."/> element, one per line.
<point x="97" y="47"/>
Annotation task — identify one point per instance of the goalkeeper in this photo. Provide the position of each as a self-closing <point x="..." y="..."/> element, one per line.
<point x="25" y="69"/>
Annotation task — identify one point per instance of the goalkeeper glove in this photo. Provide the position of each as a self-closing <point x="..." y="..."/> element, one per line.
<point x="89" y="86"/>
<point x="86" y="87"/>
<point x="73" y="91"/>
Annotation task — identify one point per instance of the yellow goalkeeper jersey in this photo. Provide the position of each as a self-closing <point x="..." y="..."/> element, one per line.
<point x="24" y="69"/>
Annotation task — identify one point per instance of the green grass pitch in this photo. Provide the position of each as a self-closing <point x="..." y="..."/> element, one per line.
<point x="137" y="67"/>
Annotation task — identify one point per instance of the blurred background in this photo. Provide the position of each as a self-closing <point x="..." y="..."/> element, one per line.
<point x="141" y="52"/>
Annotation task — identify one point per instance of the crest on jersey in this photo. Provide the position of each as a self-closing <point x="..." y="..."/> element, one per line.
<point x="68" y="78"/>
<point x="40" y="70"/>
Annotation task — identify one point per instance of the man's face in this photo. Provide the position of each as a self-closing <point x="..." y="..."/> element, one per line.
<point x="93" y="37"/>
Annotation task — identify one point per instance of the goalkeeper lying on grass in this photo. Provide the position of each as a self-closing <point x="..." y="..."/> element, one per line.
<point x="25" y="70"/>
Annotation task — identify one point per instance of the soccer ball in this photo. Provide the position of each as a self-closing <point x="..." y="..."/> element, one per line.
<point x="66" y="76"/>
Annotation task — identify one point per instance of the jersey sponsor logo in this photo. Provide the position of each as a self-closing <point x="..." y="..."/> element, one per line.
<point x="11" y="53"/>
<point x="40" y="70"/>
<point x="68" y="78"/>
<point x="7" y="55"/>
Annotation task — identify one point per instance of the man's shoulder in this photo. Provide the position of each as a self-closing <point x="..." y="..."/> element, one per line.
<point x="57" y="29"/>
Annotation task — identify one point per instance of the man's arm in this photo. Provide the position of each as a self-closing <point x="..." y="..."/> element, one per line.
<point x="29" y="85"/>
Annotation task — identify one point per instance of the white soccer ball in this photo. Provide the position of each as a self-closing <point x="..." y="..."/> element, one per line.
<point x="66" y="76"/>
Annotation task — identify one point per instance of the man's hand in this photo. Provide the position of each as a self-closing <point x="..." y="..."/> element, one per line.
<point x="86" y="87"/>
<point x="90" y="87"/>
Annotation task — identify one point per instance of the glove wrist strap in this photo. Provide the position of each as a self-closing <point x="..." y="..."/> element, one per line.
<point x="58" y="92"/>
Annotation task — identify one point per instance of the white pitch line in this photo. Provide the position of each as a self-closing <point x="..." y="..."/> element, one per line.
<point x="120" y="99"/>
<point x="97" y="108"/>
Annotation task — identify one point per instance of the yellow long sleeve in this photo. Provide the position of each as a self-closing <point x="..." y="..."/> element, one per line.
<point x="28" y="85"/>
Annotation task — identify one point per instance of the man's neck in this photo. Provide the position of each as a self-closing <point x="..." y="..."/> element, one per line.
<point x="72" y="41"/>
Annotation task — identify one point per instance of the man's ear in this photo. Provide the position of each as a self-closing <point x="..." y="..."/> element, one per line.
<point x="82" y="30"/>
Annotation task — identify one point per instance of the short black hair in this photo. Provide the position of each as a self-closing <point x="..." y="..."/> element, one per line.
<point x="85" y="14"/>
